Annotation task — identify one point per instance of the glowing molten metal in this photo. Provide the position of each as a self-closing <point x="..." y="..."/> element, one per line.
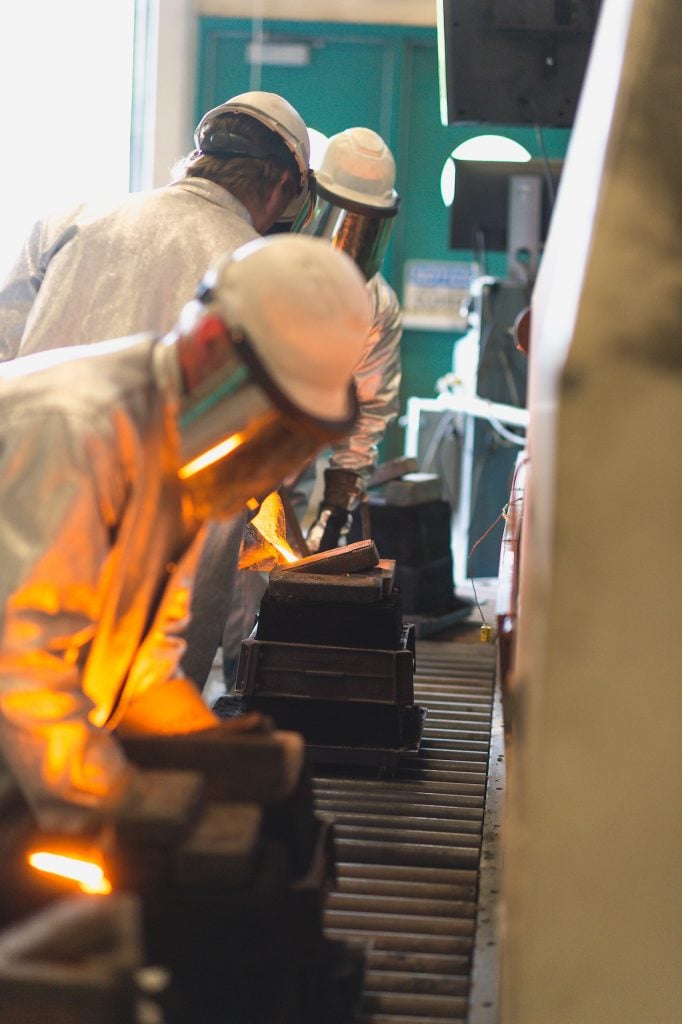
<point x="89" y="875"/>
<point x="266" y="542"/>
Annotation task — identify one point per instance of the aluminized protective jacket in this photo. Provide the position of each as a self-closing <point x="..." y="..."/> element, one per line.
<point x="97" y="550"/>
<point x="377" y="380"/>
<point x="101" y="272"/>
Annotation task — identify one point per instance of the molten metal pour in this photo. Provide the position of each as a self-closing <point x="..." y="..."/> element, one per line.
<point x="265" y="542"/>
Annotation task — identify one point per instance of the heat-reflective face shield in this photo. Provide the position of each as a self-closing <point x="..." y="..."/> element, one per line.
<point x="360" y="230"/>
<point x="240" y="436"/>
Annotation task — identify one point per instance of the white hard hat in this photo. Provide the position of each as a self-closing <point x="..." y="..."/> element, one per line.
<point x="355" y="201"/>
<point x="280" y="387"/>
<point x="279" y="116"/>
<point x="358" y="165"/>
<point x="306" y="311"/>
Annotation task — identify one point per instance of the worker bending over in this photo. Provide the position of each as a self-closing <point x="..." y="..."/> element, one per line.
<point x="112" y="456"/>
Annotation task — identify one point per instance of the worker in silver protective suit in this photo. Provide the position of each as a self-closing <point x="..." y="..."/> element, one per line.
<point x="112" y="457"/>
<point x="110" y="271"/>
<point x="355" y="209"/>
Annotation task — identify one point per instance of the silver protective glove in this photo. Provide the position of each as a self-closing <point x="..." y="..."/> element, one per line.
<point x="343" y="492"/>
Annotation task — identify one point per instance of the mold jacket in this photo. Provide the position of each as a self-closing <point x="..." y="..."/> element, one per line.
<point x="97" y="552"/>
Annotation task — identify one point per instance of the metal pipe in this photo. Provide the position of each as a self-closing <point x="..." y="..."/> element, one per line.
<point x="401" y="905"/>
<point x="423" y="774"/>
<point x="407" y="853"/>
<point x="399" y="942"/>
<point x="437" y="749"/>
<point x="429" y="810"/>
<point x="413" y="925"/>
<point x="413" y="873"/>
<point x="414" y="890"/>
<point x="441" y="1007"/>
<point x="413" y="823"/>
<point x="443" y="763"/>
<point x="417" y="963"/>
<point x="465" y="792"/>
<point x="425" y="984"/>
<point x="418" y="837"/>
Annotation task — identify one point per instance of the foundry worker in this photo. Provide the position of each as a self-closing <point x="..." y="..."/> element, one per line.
<point x="112" y="457"/>
<point x="107" y="271"/>
<point x="355" y="208"/>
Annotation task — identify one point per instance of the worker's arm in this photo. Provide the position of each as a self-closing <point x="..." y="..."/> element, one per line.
<point x="19" y="289"/>
<point x="55" y="542"/>
<point x="158" y="698"/>
<point x="377" y="380"/>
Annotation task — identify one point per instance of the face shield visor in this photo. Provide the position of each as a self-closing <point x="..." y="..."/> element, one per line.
<point x="240" y="435"/>
<point x="358" y="229"/>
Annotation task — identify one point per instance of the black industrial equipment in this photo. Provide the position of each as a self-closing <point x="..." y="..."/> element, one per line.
<point x="409" y="522"/>
<point x="331" y="658"/>
<point x="484" y="197"/>
<point x="417" y="537"/>
<point x="513" y="63"/>
<point x="231" y="867"/>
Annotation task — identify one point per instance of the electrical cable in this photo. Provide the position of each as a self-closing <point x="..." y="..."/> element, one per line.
<point x="508" y="435"/>
<point x="548" y="172"/>
<point x="438" y="435"/>
<point x="504" y="514"/>
<point x="508" y="374"/>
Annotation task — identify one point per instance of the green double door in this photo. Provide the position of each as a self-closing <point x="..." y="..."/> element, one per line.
<point x="384" y="78"/>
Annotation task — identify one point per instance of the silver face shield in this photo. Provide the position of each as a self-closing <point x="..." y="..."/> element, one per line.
<point x="240" y="436"/>
<point x="361" y="231"/>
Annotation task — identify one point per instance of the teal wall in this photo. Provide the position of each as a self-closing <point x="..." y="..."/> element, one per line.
<point x="386" y="78"/>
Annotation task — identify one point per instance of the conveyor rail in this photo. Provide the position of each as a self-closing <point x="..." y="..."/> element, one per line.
<point x="409" y="847"/>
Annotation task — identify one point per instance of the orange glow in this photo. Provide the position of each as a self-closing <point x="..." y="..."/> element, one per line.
<point x="288" y="554"/>
<point x="267" y="533"/>
<point x="218" y="451"/>
<point x="89" y="876"/>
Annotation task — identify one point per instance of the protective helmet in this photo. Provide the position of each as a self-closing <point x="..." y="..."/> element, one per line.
<point x="297" y="315"/>
<point x="280" y="117"/>
<point x="356" y="202"/>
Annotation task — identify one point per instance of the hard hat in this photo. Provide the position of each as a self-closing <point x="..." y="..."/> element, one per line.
<point x="297" y="314"/>
<point x="288" y="297"/>
<point x="280" y="117"/>
<point x="358" y="165"/>
<point x="356" y="202"/>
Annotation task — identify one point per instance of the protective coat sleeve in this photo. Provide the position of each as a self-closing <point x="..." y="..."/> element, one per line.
<point x="50" y="602"/>
<point x="22" y="283"/>
<point x="67" y="492"/>
<point x="377" y="379"/>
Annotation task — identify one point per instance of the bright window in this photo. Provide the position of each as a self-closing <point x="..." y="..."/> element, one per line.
<point x="66" y="74"/>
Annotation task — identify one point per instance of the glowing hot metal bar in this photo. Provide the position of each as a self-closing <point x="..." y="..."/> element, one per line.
<point x="89" y="876"/>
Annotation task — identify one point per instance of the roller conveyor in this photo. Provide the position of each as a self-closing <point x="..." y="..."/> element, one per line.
<point x="408" y="847"/>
